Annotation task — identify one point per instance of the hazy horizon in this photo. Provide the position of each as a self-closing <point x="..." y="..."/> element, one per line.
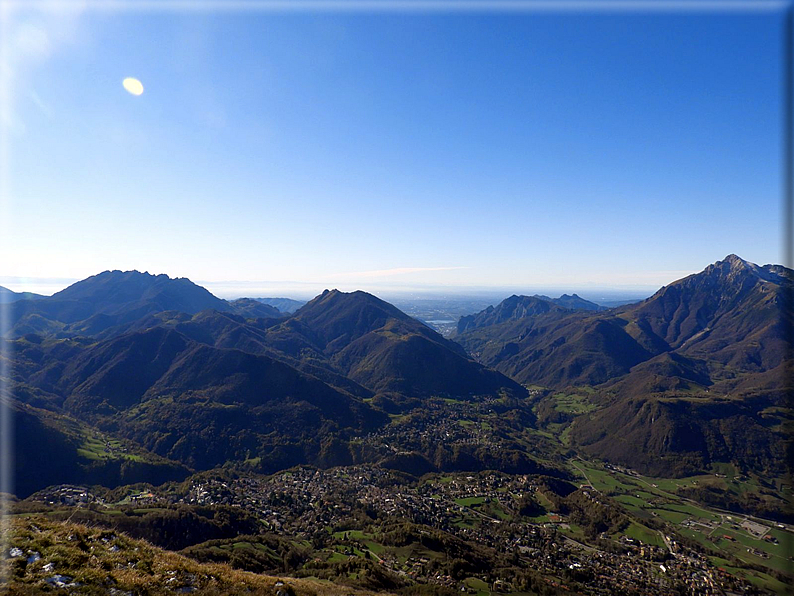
<point x="231" y="289"/>
<point x="307" y="290"/>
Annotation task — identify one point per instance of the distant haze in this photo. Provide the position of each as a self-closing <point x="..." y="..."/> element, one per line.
<point x="305" y="291"/>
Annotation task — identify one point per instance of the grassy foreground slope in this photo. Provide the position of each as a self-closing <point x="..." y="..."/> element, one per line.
<point x="46" y="555"/>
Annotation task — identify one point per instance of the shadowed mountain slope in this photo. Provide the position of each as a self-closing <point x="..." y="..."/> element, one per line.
<point x="559" y="348"/>
<point x="52" y="448"/>
<point x="510" y="309"/>
<point x="573" y="302"/>
<point x="189" y="401"/>
<point x="675" y="436"/>
<point x="382" y="348"/>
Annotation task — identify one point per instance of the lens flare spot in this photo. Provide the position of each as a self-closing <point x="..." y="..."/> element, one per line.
<point x="133" y="85"/>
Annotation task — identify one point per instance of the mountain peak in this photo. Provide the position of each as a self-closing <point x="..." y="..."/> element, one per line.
<point x="735" y="270"/>
<point x="348" y="303"/>
<point x="512" y="308"/>
<point x="115" y="291"/>
<point x="129" y="272"/>
<point x="731" y="267"/>
<point x="736" y="262"/>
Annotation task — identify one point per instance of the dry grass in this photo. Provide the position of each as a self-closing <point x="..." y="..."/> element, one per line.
<point x="98" y="561"/>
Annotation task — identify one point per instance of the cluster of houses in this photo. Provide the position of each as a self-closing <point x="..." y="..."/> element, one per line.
<point x="297" y="502"/>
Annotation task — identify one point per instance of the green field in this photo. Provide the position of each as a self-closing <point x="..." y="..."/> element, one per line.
<point x="674" y="517"/>
<point x="365" y="538"/>
<point x="572" y="403"/>
<point x="471" y="501"/>
<point x="646" y="496"/>
<point x="477" y="584"/>
<point x="631" y="501"/>
<point x="644" y="535"/>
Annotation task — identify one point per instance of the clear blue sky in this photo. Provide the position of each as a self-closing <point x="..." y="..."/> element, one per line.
<point x="353" y="150"/>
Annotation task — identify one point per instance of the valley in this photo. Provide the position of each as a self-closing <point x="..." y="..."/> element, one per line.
<point x="543" y="446"/>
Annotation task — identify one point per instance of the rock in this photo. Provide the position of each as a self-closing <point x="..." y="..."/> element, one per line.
<point x="60" y="581"/>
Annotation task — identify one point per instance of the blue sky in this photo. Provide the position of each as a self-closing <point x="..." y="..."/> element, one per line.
<point x="406" y="149"/>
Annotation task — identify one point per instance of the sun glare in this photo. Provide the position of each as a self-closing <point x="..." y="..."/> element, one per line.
<point x="133" y="85"/>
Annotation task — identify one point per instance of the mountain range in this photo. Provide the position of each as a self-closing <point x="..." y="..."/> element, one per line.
<point x="731" y="314"/>
<point x="522" y="307"/>
<point x="692" y="375"/>
<point x="171" y="379"/>
<point x="193" y="381"/>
